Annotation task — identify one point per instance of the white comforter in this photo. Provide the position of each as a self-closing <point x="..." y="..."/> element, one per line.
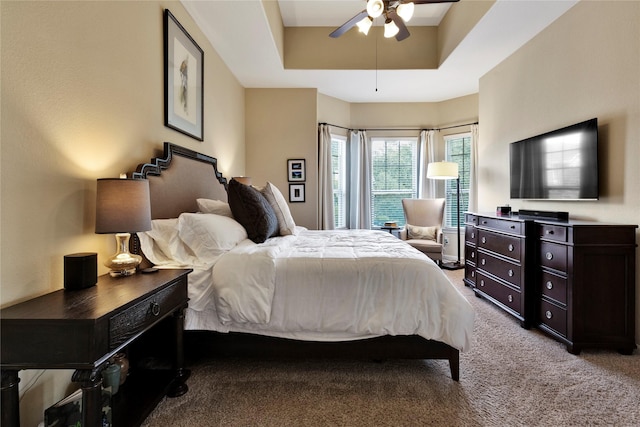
<point x="327" y="286"/>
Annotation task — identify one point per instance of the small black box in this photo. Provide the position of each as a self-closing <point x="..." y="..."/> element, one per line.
<point x="503" y="210"/>
<point x="80" y="270"/>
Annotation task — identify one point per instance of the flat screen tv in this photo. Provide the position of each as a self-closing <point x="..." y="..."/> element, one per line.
<point x="557" y="165"/>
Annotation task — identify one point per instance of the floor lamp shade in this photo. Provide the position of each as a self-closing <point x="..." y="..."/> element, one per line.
<point x="448" y="170"/>
<point x="122" y="207"/>
<point x="442" y="170"/>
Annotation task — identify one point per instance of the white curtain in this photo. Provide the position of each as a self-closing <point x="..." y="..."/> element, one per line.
<point x="473" y="170"/>
<point x="427" y="144"/>
<point x="360" y="180"/>
<point x="325" y="195"/>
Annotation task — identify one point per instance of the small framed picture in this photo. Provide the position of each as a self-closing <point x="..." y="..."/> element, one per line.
<point x="296" y="170"/>
<point x="183" y="80"/>
<point x="296" y="193"/>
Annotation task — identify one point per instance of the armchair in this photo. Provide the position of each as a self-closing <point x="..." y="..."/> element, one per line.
<point x="423" y="229"/>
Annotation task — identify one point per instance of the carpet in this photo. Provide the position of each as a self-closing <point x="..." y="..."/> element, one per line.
<point x="510" y="377"/>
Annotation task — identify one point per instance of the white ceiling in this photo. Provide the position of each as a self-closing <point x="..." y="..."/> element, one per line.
<point x="238" y="30"/>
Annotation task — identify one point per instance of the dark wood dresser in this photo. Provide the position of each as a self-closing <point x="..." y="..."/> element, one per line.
<point x="142" y="315"/>
<point x="574" y="280"/>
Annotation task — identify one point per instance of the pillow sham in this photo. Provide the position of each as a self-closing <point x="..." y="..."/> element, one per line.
<point x="286" y="224"/>
<point x="421" y="233"/>
<point x="209" y="235"/>
<point x="162" y="245"/>
<point x="253" y="211"/>
<point x="217" y="207"/>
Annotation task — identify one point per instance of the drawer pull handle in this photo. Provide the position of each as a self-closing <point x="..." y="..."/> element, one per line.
<point x="549" y="231"/>
<point x="481" y="282"/>
<point x="510" y="273"/>
<point x="548" y="314"/>
<point x="549" y="285"/>
<point x="513" y="227"/>
<point x="511" y="248"/>
<point x="473" y="274"/>
<point x="484" y="222"/>
<point x="484" y="240"/>
<point x="473" y="254"/>
<point x="510" y="298"/>
<point x="483" y="261"/>
<point x="155" y="308"/>
<point x="473" y="235"/>
<point x="548" y="256"/>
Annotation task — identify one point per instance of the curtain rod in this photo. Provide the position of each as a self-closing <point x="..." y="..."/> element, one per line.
<point x="400" y="129"/>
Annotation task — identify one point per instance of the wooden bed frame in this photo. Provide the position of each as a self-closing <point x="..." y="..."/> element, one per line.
<point x="180" y="177"/>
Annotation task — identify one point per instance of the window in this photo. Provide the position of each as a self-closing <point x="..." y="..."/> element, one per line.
<point x="394" y="176"/>
<point x="458" y="150"/>
<point x="339" y="180"/>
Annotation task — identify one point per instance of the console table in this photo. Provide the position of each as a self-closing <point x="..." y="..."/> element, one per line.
<point x="574" y="280"/>
<point x="83" y="329"/>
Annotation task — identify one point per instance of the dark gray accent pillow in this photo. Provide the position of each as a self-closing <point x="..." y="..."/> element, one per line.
<point x="253" y="211"/>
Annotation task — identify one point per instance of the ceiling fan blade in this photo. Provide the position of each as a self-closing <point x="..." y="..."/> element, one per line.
<point x="349" y="24"/>
<point x="403" y="32"/>
<point x="433" y="1"/>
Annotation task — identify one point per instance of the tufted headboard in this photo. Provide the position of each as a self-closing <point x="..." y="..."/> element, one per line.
<point x="180" y="177"/>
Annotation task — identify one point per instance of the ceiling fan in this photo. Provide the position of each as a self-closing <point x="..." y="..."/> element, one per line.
<point x="396" y="13"/>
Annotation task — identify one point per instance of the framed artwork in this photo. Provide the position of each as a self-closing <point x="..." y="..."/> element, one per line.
<point x="296" y="170"/>
<point x="296" y="193"/>
<point x="183" y="80"/>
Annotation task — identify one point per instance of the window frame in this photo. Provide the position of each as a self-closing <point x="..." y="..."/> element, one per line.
<point x="450" y="186"/>
<point x="344" y="179"/>
<point x="415" y="141"/>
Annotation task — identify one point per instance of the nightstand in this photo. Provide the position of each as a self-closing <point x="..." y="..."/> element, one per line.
<point x="83" y="329"/>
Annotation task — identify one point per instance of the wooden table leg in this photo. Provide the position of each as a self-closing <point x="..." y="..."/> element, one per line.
<point x="179" y="386"/>
<point x="91" y="383"/>
<point x="10" y="401"/>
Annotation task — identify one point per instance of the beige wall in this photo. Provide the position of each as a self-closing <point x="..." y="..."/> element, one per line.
<point x="82" y="98"/>
<point x="582" y="66"/>
<point x="282" y="124"/>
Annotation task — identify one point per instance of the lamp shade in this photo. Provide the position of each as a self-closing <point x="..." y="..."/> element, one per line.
<point x="405" y="11"/>
<point x="246" y="180"/>
<point x="375" y="8"/>
<point x="442" y="170"/>
<point x="122" y="206"/>
<point x="390" y="28"/>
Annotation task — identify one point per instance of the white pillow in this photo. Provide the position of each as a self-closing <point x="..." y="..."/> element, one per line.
<point x="209" y="235"/>
<point x="217" y="207"/>
<point x="161" y="244"/>
<point x="279" y="204"/>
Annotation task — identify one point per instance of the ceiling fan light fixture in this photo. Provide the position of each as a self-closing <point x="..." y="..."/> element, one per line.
<point x="375" y="8"/>
<point x="405" y="11"/>
<point x="390" y="28"/>
<point x="365" y="25"/>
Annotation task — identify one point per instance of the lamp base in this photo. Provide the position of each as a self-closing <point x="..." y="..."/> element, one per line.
<point x="455" y="265"/>
<point x="123" y="263"/>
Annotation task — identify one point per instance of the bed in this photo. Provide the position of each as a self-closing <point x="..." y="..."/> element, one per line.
<point x="295" y="292"/>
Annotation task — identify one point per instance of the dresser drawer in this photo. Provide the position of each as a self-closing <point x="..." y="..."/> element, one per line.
<point x="502" y="293"/>
<point x="508" y="246"/>
<point x="470" y="273"/>
<point x="142" y="315"/>
<point x="471" y="235"/>
<point x="507" y="271"/>
<point x="554" y="317"/>
<point x="553" y="287"/>
<point x="470" y="253"/>
<point x="556" y="233"/>
<point x="553" y="255"/>
<point x="501" y="225"/>
<point x="470" y="219"/>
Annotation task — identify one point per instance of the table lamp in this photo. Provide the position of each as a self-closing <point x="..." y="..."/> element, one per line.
<point x="448" y="170"/>
<point x="122" y="207"/>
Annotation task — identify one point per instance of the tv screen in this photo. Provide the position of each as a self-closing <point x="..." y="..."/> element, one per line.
<point x="557" y="165"/>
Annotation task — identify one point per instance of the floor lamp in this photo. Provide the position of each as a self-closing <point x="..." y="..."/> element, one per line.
<point x="448" y="170"/>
